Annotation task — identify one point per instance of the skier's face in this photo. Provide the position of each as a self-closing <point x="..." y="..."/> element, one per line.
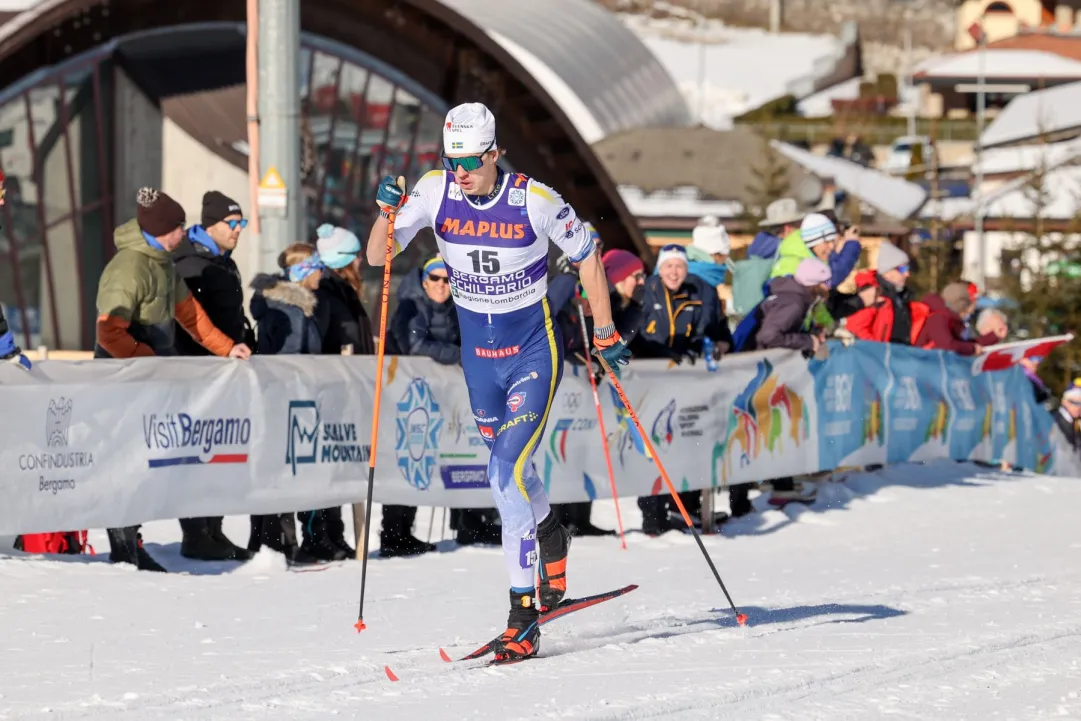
<point x="479" y="181"/>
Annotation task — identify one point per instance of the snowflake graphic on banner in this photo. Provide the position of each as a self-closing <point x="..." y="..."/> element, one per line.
<point x="417" y="434"/>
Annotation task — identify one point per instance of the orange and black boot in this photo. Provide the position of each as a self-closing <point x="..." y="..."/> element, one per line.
<point x="554" y="541"/>
<point x="521" y="640"/>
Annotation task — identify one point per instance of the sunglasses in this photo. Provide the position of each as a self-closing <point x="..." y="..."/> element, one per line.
<point x="902" y="269"/>
<point x="243" y="223"/>
<point x="438" y="278"/>
<point x="469" y="163"/>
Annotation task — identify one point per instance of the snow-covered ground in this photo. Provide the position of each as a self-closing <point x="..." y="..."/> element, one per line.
<point x="725" y="71"/>
<point x="933" y="592"/>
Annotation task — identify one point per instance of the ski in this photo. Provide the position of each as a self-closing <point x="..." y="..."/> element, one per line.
<point x="567" y="606"/>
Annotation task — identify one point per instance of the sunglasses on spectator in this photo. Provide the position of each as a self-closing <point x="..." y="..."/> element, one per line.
<point x="438" y="278"/>
<point x="902" y="269"/>
<point x="469" y="163"/>
<point x="243" y="223"/>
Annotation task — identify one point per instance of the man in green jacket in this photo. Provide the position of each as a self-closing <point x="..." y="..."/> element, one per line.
<point x="139" y="296"/>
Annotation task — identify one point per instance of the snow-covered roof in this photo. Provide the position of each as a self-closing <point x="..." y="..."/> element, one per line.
<point x="1061" y="190"/>
<point x="1030" y="115"/>
<point x="1000" y="63"/>
<point x="1026" y="158"/>
<point x="896" y="197"/>
<point x="677" y="203"/>
<point x="744" y="67"/>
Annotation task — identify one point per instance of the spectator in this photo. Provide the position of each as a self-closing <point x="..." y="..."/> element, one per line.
<point x="340" y="292"/>
<point x="991" y="326"/>
<point x="139" y="296"/>
<point x="345" y="327"/>
<point x="680" y="311"/>
<point x="817" y="237"/>
<point x="786" y="315"/>
<point x="894" y="317"/>
<point x="1039" y="389"/>
<point x="1069" y="415"/>
<point x="707" y="254"/>
<point x="945" y="326"/>
<point x="424" y="324"/>
<point x="284" y="307"/>
<point x="203" y="259"/>
<point x="9" y="351"/>
<point x="750" y="276"/>
<point x="627" y="275"/>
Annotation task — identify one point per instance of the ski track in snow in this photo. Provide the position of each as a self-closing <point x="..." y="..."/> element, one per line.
<point x="941" y="591"/>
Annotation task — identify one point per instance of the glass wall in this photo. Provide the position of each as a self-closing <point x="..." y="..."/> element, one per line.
<point x="362" y="120"/>
<point x="53" y="225"/>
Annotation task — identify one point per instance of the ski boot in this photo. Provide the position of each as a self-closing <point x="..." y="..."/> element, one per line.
<point x="521" y="640"/>
<point x="554" y="541"/>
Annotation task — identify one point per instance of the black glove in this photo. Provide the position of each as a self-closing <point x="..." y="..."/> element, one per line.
<point x="719" y="349"/>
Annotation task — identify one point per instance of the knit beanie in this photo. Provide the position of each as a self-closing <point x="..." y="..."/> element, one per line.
<point x="157" y="213"/>
<point x="671" y="252"/>
<point x="337" y="246"/>
<point x="621" y="264"/>
<point x="956" y="298"/>
<point x="890" y="257"/>
<point x="712" y="237"/>
<point x="817" y="229"/>
<point x="812" y="271"/>
<point x="217" y="207"/>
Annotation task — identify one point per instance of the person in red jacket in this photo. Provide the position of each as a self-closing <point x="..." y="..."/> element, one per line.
<point x="894" y="317"/>
<point x="945" y="327"/>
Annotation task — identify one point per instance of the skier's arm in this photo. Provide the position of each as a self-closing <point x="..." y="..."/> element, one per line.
<point x="418" y="212"/>
<point x="554" y="218"/>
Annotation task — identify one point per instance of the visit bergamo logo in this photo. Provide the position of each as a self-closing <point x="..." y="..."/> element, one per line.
<point x="182" y="439"/>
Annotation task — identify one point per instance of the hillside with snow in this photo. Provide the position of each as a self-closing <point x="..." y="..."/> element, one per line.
<point x="942" y="591"/>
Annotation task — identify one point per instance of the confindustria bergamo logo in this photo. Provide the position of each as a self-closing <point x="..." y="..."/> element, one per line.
<point x="182" y="439"/>
<point x="57" y="437"/>
<point x="312" y="440"/>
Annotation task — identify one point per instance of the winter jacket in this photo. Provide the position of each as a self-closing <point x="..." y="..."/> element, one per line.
<point x="784" y="317"/>
<point x="1069" y="427"/>
<point x="675" y="323"/>
<point x="896" y="318"/>
<point x="423" y="327"/>
<point x="139" y="296"/>
<point x="285" y="314"/>
<point x="214" y="280"/>
<point x="764" y="245"/>
<point x="342" y="317"/>
<point x="793" y="251"/>
<point x="944" y="328"/>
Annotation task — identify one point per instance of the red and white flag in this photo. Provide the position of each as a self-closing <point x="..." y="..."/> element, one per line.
<point x="1006" y="355"/>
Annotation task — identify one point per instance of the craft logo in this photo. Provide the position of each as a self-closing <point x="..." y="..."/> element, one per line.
<point x="417" y="434"/>
<point x="517" y="197"/>
<point x="312" y="440"/>
<point x="61" y="460"/>
<point x="515" y="401"/>
<point x="763" y="416"/>
<point x="182" y="439"/>
<point x="528" y="417"/>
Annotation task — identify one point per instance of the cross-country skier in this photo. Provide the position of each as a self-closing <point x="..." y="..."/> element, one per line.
<point x="493" y="228"/>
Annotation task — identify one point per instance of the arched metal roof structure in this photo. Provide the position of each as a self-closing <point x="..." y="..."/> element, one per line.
<point x="558" y="74"/>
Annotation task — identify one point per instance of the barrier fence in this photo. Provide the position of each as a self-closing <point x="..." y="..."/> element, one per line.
<point x="91" y="444"/>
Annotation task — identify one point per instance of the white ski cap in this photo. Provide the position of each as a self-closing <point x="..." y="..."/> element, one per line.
<point x="469" y="130"/>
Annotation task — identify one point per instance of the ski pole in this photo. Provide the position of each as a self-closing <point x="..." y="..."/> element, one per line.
<point x="600" y="422"/>
<point x="741" y="618"/>
<point x="383" y="304"/>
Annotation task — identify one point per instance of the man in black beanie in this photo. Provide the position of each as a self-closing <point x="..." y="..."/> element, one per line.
<point x="203" y="260"/>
